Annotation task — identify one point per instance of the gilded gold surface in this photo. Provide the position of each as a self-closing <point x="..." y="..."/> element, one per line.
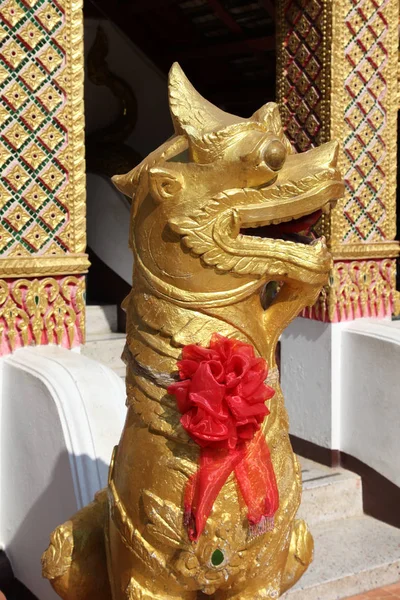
<point x="199" y="269"/>
<point x="359" y="288"/>
<point x="36" y="311"/>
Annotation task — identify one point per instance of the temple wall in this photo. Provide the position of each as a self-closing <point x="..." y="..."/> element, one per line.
<point x="370" y="396"/>
<point x="338" y="79"/>
<point x="306" y="348"/>
<point x="340" y="383"/>
<point x="42" y="174"/>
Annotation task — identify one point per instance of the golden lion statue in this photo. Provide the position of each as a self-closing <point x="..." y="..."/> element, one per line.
<point x="225" y="258"/>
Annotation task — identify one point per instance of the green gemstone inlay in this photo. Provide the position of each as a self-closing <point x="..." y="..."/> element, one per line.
<point x="217" y="558"/>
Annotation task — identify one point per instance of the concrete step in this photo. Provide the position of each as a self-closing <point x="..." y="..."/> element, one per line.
<point x="329" y="494"/>
<point x="351" y="556"/>
<point x="107" y="349"/>
<point x="101" y="319"/>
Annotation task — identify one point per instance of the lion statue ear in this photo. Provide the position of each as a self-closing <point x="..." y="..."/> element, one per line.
<point x="126" y="183"/>
<point x="193" y="115"/>
<point x="270" y="117"/>
<point x="164" y="184"/>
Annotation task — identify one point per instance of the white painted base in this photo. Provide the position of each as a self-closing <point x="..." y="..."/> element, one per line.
<point x="370" y="407"/>
<point x="306" y="356"/>
<point x="341" y="386"/>
<point x="61" y="415"/>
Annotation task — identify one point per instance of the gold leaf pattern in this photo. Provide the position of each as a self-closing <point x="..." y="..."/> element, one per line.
<point x="49" y="17"/>
<point x="34" y="117"/>
<point x="3" y="33"/>
<point x="15" y="96"/>
<point x="34" y="156"/>
<point x="35" y="196"/>
<point x="5" y="237"/>
<point x="31" y="35"/>
<point x="17" y="177"/>
<point x="12" y="12"/>
<point x="52" y="216"/>
<point x="18" y="218"/>
<point x="16" y="135"/>
<point x="5" y="196"/>
<point x="33" y="76"/>
<point x="19" y="251"/>
<point x="50" y="59"/>
<point x="36" y="237"/>
<point x="50" y="98"/>
<point x="51" y="137"/>
<point x="4" y="154"/>
<point x="52" y="177"/>
<point x="3" y="74"/>
<point x="13" y="54"/>
<point x="58" y="557"/>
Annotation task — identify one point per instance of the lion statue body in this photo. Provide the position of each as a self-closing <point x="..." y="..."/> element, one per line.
<point x="221" y="214"/>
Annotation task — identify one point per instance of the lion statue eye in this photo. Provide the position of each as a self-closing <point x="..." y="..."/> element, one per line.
<point x="275" y="155"/>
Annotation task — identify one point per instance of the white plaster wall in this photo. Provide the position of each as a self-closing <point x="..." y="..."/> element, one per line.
<point x="370" y="423"/>
<point x="61" y="415"/>
<point x="341" y="387"/>
<point x="306" y="353"/>
<point x="108" y="225"/>
<point x="107" y="209"/>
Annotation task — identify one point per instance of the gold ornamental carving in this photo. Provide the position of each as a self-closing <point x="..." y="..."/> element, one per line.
<point x="337" y="79"/>
<point x="42" y="167"/>
<point x="41" y="311"/>
<point x="219" y="213"/>
<point x="42" y="173"/>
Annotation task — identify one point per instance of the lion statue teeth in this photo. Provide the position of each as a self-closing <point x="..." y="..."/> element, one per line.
<point x="222" y="213"/>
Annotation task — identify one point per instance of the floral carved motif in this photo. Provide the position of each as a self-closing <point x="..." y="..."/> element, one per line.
<point x="49" y="310"/>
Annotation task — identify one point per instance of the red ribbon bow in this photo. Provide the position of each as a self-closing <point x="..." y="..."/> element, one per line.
<point x="221" y="395"/>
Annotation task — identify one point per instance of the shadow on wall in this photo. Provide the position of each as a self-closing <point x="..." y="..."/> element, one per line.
<point x="48" y="511"/>
<point x="147" y="82"/>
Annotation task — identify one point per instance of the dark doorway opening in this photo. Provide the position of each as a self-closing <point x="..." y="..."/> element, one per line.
<point x="225" y="47"/>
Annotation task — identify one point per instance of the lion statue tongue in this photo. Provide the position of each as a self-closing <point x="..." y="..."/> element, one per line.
<point x="304" y="224"/>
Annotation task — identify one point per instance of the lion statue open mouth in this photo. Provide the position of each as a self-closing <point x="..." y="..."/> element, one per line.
<point x="221" y="210"/>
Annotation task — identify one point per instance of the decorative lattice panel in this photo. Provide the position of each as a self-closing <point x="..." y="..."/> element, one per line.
<point x="366" y="137"/>
<point x="304" y="71"/>
<point x="42" y="185"/>
<point x="41" y="130"/>
<point x="348" y="94"/>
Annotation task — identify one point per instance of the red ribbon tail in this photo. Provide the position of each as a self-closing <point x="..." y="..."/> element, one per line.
<point x="256" y="478"/>
<point x="203" y="487"/>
